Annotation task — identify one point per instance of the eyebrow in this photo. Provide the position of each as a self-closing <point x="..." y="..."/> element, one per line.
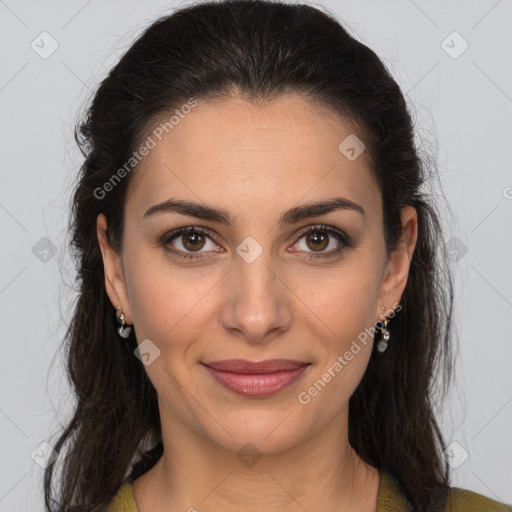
<point x="291" y="216"/>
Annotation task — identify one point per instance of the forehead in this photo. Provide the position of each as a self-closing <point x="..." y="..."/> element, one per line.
<point x="232" y="151"/>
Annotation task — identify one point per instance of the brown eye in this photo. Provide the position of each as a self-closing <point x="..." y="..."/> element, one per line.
<point x="193" y="241"/>
<point x="317" y="240"/>
<point x="188" y="242"/>
<point x="314" y="242"/>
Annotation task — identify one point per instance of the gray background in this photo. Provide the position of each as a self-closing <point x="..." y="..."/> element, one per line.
<point x="462" y="106"/>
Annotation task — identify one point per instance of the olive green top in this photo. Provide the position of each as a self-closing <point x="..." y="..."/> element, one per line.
<point x="390" y="499"/>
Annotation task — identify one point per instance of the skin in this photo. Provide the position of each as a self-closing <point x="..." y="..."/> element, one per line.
<point x="255" y="162"/>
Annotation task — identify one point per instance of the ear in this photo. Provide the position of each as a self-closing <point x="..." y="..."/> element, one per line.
<point x="113" y="269"/>
<point x="397" y="269"/>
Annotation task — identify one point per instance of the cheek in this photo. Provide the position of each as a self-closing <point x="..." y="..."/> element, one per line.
<point x="343" y="327"/>
<point x="343" y="300"/>
<point x="344" y="303"/>
<point x="165" y="303"/>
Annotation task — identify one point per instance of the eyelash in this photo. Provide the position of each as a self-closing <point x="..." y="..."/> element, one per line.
<point x="345" y="240"/>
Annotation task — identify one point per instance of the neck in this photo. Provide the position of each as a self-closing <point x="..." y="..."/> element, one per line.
<point x="196" y="474"/>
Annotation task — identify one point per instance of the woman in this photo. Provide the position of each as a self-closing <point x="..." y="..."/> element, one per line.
<point x="263" y="295"/>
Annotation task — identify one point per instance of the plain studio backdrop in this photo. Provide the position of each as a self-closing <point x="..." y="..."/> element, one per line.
<point x="452" y="61"/>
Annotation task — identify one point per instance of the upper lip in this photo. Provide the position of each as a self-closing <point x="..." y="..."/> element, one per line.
<point x="250" y="367"/>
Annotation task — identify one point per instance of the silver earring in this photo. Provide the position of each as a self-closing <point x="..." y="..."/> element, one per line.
<point x="124" y="329"/>
<point x="382" y="345"/>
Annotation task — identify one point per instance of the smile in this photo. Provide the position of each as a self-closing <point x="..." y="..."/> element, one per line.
<point x="264" y="383"/>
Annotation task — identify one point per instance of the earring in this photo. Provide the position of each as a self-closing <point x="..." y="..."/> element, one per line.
<point x="124" y="329"/>
<point x="382" y="345"/>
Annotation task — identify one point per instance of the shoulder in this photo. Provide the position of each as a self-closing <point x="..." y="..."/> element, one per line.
<point x="393" y="498"/>
<point x="124" y="500"/>
<point x="462" y="500"/>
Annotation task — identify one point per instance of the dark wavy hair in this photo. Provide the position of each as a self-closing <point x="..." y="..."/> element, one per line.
<point x="258" y="50"/>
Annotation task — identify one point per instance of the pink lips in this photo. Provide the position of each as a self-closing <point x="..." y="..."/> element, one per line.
<point x="260" y="379"/>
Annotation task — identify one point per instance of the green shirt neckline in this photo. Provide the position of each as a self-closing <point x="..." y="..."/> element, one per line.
<point x="389" y="499"/>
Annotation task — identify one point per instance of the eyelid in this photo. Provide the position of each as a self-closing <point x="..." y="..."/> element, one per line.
<point x="322" y="227"/>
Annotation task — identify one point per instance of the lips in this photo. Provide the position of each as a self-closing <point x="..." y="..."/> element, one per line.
<point x="249" y="367"/>
<point x="256" y="379"/>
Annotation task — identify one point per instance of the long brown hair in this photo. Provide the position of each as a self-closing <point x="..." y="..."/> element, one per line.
<point x="262" y="49"/>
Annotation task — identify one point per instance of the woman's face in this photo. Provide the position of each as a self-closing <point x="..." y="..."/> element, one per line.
<point x="255" y="290"/>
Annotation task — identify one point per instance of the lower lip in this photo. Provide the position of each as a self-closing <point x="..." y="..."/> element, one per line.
<point x="257" y="385"/>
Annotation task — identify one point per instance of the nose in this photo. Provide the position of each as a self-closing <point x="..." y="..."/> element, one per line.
<point x="257" y="304"/>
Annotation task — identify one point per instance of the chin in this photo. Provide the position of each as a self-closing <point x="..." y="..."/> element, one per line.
<point x="264" y="433"/>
